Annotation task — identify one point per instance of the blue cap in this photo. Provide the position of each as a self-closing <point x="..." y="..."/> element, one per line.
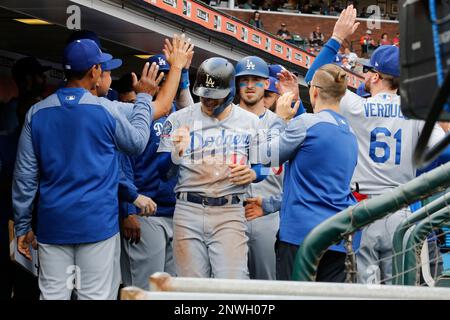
<point x="274" y="69"/>
<point x="272" y="86"/>
<point x="161" y="61"/>
<point x="82" y="54"/>
<point x="111" y="64"/>
<point x="362" y="92"/>
<point x="252" y="66"/>
<point x="386" y="59"/>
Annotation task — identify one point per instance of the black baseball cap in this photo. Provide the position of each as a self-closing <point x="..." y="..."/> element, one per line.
<point x="27" y="66"/>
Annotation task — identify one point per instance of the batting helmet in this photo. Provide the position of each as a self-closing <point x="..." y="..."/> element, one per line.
<point x="215" y="79"/>
<point x="252" y="66"/>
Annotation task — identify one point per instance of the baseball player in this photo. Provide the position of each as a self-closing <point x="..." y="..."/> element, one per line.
<point x="271" y="95"/>
<point x="212" y="145"/>
<point x="152" y="251"/>
<point x="252" y="78"/>
<point x="386" y="143"/>
<point x="70" y="132"/>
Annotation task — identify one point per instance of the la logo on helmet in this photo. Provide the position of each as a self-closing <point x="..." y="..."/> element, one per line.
<point x="250" y="65"/>
<point x="161" y="62"/>
<point x="209" y="81"/>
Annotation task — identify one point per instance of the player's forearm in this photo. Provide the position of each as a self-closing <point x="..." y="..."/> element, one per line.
<point x="272" y="204"/>
<point x="166" y="95"/>
<point x="131" y="135"/>
<point x="25" y="181"/>
<point x="326" y="55"/>
<point x="184" y="99"/>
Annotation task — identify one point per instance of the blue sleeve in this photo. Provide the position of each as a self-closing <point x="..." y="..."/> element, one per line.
<point x="261" y="174"/>
<point x="301" y="109"/>
<point x="127" y="190"/>
<point x="325" y="56"/>
<point x="132" y="133"/>
<point x="25" y="181"/>
<point x="166" y="168"/>
<point x="272" y="204"/>
<point x="283" y="141"/>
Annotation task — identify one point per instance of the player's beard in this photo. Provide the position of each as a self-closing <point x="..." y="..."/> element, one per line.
<point x="367" y="86"/>
<point x="250" y="102"/>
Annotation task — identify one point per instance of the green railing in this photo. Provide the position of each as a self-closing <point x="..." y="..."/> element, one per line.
<point x="350" y="220"/>
<point x="397" y="243"/>
<point x="418" y="235"/>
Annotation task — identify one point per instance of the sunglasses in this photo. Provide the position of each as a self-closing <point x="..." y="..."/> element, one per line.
<point x="371" y="69"/>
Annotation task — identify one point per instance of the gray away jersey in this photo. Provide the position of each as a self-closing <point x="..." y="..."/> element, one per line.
<point x="214" y="145"/>
<point x="273" y="184"/>
<point x="386" y="141"/>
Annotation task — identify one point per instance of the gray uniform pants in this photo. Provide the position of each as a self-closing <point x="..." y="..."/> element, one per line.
<point x="152" y="254"/>
<point x="92" y="269"/>
<point x="374" y="258"/>
<point x="262" y="235"/>
<point x="210" y="241"/>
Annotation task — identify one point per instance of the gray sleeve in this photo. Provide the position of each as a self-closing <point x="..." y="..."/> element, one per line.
<point x="170" y="125"/>
<point x="25" y="181"/>
<point x="132" y="134"/>
<point x="125" y="108"/>
<point x="283" y="141"/>
<point x="272" y="204"/>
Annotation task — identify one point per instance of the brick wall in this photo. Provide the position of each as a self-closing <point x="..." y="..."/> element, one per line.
<point x="305" y="24"/>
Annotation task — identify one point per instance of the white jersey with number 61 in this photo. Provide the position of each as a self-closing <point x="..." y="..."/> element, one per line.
<point x="386" y="141"/>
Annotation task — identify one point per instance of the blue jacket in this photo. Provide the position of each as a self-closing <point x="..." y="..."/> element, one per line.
<point x="142" y="172"/>
<point x="68" y="155"/>
<point x="322" y="153"/>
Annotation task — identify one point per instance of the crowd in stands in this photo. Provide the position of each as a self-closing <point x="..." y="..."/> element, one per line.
<point x="316" y="39"/>
<point x="322" y="7"/>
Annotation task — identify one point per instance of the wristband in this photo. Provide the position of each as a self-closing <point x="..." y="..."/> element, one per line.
<point x="338" y="39"/>
<point x="184" y="80"/>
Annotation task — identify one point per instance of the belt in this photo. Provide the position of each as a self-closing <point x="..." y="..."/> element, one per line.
<point x="208" y="201"/>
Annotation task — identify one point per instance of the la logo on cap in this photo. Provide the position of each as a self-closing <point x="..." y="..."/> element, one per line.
<point x="376" y="64"/>
<point x="250" y="65"/>
<point x="209" y="81"/>
<point x="161" y="62"/>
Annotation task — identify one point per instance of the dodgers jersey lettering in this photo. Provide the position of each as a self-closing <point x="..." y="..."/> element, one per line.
<point x="386" y="141"/>
<point x="214" y="145"/>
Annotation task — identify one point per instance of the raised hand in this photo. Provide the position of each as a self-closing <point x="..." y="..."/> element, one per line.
<point x="149" y="81"/>
<point x="346" y="24"/>
<point x="179" y="52"/>
<point x="288" y="83"/>
<point x="284" y="106"/>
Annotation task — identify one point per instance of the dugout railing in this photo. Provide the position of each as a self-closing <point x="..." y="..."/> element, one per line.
<point x="345" y="223"/>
